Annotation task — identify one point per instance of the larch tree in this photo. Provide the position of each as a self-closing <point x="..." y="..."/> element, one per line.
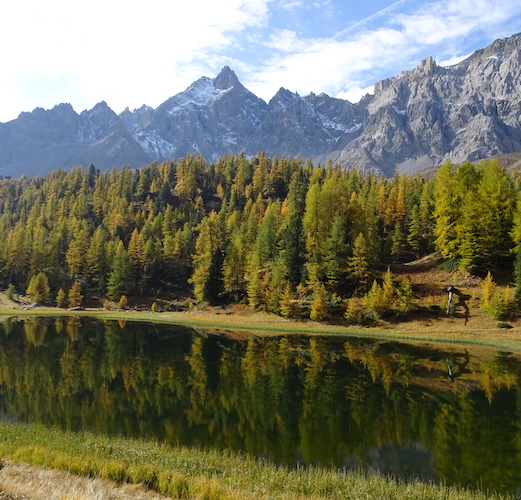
<point x="75" y="297"/>
<point x="319" y="308"/>
<point x="38" y="289"/>
<point x="446" y="210"/>
<point x="207" y="275"/>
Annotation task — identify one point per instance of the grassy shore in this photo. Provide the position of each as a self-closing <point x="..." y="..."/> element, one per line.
<point x="481" y="330"/>
<point x="197" y="474"/>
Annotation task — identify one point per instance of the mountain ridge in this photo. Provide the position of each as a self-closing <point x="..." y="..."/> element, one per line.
<point x="419" y="118"/>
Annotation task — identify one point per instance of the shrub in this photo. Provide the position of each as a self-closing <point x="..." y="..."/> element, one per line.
<point x="449" y="265"/>
<point x="10" y="292"/>
<point x="499" y="303"/>
<point x="123" y="302"/>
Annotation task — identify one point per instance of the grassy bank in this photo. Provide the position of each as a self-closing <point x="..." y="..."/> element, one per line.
<point x="194" y="473"/>
<point x="447" y="330"/>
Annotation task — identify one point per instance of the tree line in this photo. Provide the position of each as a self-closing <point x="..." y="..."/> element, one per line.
<point x="282" y="235"/>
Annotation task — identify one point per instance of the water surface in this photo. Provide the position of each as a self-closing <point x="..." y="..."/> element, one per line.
<point x="436" y="412"/>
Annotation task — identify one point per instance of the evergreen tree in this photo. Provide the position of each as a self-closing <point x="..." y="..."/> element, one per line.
<point x="336" y="254"/>
<point x="292" y="238"/>
<point x="256" y="286"/>
<point x="414" y="235"/>
<point x="121" y="278"/>
<point x="276" y="285"/>
<point x="97" y="257"/>
<point x="397" y="242"/>
<point x="208" y="259"/>
<point x="517" y="273"/>
<point x="358" y="266"/>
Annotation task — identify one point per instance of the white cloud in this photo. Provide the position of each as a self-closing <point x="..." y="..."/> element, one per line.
<point x="349" y="63"/>
<point x="291" y="4"/>
<point x="354" y="93"/>
<point x="129" y="53"/>
<point x="286" y="41"/>
<point x="108" y="49"/>
<point x="453" y="60"/>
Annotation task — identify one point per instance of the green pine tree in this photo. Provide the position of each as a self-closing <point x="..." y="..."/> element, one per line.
<point x="121" y="278"/>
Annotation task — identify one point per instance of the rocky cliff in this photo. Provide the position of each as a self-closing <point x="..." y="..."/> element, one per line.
<point x="417" y="119"/>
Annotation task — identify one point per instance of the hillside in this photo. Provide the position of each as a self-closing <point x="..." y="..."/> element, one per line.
<point x="264" y="234"/>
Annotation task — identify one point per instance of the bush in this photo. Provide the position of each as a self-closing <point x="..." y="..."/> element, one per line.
<point x="123" y="302"/>
<point x="499" y="303"/>
<point x="10" y="292"/>
<point x="448" y="265"/>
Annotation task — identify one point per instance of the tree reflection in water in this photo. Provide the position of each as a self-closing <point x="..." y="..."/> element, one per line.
<point x="328" y="401"/>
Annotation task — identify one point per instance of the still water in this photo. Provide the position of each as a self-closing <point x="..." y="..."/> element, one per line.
<point x="436" y="412"/>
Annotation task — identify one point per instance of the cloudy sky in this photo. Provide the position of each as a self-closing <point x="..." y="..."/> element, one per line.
<point x="130" y="52"/>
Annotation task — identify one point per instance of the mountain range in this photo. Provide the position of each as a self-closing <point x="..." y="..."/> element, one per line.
<point x="417" y="119"/>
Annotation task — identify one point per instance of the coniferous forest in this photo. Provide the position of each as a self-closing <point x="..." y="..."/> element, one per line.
<point x="293" y="238"/>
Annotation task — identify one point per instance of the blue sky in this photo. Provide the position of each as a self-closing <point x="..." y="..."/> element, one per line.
<point x="130" y="52"/>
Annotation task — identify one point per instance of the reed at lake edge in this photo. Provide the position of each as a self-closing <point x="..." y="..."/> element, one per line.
<point x="180" y="472"/>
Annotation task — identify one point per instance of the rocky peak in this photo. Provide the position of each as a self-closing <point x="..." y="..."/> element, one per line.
<point x="226" y="79"/>
<point x="283" y="97"/>
<point x="131" y="118"/>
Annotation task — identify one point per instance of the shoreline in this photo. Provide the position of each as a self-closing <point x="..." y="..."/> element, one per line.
<point x="242" y="322"/>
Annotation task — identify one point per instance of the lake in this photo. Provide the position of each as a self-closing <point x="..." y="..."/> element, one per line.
<point x="437" y="412"/>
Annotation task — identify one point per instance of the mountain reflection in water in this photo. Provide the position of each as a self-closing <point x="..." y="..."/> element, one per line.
<point x="436" y="412"/>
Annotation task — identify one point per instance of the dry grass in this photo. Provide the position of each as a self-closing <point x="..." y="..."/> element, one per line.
<point x="28" y="482"/>
<point x="180" y="472"/>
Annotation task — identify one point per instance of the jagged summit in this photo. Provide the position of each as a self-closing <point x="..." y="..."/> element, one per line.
<point x="226" y="79"/>
<point x="416" y="119"/>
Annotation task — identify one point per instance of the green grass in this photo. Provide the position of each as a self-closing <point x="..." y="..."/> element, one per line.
<point x="212" y="475"/>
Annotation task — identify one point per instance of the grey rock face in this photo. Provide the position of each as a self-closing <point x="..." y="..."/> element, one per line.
<point x="432" y="114"/>
<point x="417" y="119"/>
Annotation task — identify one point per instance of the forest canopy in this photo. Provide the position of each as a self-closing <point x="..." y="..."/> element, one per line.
<point x="259" y="230"/>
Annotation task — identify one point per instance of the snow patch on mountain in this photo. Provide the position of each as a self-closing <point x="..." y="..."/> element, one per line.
<point x="155" y="145"/>
<point x="199" y="94"/>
